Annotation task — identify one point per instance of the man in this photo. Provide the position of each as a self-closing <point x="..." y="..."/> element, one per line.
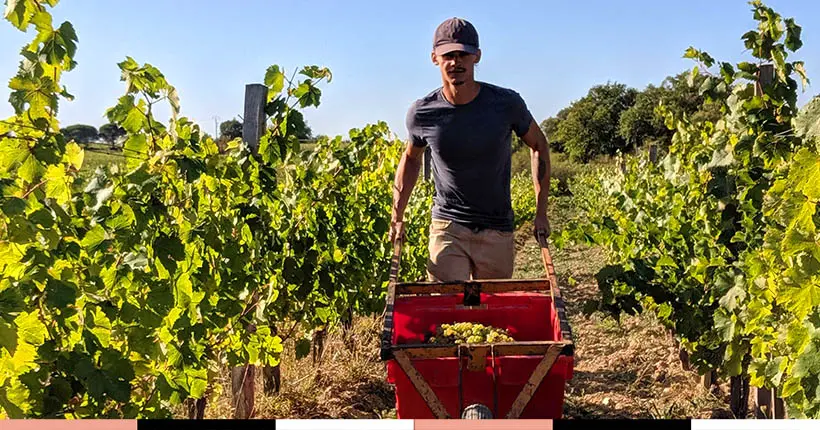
<point x="468" y="126"/>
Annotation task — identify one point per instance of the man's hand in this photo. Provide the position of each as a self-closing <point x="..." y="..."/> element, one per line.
<point x="396" y="231"/>
<point x="542" y="228"/>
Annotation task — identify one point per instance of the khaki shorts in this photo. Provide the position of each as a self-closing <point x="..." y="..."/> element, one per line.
<point x="458" y="253"/>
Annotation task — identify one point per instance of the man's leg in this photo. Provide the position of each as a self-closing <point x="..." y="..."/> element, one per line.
<point x="449" y="247"/>
<point x="493" y="253"/>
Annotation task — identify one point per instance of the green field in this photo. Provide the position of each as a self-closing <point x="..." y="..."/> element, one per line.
<point x="98" y="155"/>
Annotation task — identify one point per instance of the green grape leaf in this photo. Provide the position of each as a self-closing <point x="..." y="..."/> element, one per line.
<point x="60" y="389"/>
<point x="11" y="255"/>
<point x="793" y="31"/>
<point x="11" y="154"/>
<point x="800" y="69"/>
<point x="60" y="294"/>
<point x="136" y="149"/>
<point x="8" y="337"/>
<point x="805" y="172"/>
<point x="118" y="373"/>
<point x="169" y="250"/>
<point x="316" y="72"/>
<point x="58" y="185"/>
<point x="732" y="298"/>
<point x="20" y="12"/>
<point x="808" y="363"/>
<point x="323" y="314"/>
<point x="308" y="94"/>
<point x="774" y="370"/>
<point x="725" y="325"/>
<point x="74" y="155"/>
<point x="29" y="328"/>
<point x="135" y="261"/>
<point x="734" y="359"/>
<point x="14" y="206"/>
<point x="94" y="237"/>
<point x="801" y="299"/>
<point x="721" y="157"/>
<point x="790" y="387"/>
<point x="275" y="81"/>
<point x="31" y="169"/>
<point x="797" y="337"/>
<point x="751" y="39"/>
<point x="197" y="381"/>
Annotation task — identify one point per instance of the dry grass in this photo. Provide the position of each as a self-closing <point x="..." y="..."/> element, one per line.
<point x="623" y="369"/>
<point x="346" y="383"/>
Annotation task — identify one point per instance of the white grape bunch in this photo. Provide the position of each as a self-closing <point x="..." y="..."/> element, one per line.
<point x="467" y="332"/>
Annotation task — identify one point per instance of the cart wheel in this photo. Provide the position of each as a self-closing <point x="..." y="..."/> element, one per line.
<point x="477" y="412"/>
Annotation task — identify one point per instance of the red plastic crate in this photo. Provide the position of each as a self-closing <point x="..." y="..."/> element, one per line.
<point x="527" y="316"/>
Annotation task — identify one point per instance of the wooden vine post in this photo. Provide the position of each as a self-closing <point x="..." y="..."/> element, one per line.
<point x="243" y="384"/>
<point x="766" y="402"/>
<point x="739" y="385"/>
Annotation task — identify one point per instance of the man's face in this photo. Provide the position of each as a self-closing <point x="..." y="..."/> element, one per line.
<point x="457" y="67"/>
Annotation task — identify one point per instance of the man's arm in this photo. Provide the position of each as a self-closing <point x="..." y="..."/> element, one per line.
<point x="407" y="174"/>
<point x="541" y="169"/>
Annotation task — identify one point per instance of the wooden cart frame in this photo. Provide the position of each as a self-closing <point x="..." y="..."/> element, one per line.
<point x="475" y="354"/>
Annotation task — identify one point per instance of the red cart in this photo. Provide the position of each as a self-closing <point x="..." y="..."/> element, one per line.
<point x="521" y="379"/>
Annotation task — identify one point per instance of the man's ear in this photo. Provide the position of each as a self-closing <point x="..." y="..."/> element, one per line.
<point x="478" y="56"/>
<point x="434" y="58"/>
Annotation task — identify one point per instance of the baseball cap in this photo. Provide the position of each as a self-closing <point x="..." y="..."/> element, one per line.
<point x="455" y="34"/>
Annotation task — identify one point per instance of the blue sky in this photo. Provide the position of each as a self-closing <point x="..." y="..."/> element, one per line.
<point x="550" y="52"/>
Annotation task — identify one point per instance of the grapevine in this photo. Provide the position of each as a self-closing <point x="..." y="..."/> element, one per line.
<point x="126" y="293"/>
<point x="719" y="238"/>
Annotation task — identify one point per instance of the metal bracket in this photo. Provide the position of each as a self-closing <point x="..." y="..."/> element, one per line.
<point x="472" y="294"/>
<point x="476" y="357"/>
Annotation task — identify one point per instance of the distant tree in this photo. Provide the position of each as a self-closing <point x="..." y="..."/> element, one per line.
<point x="111" y="133"/>
<point x="298" y="126"/>
<point x="81" y="133"/>
<point x="591" y="125"/>
<point x="230" y="129"/>
<point x="642" y="123"/>
<point x="550" y="128"/>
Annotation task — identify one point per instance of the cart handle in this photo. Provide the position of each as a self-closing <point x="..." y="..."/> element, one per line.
<point x="387" y="333"/>
<point x="396" y="261"/>
<point x="543" y="241"/>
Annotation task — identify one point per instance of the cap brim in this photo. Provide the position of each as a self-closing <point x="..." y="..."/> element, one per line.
<point x="450" y="47"/>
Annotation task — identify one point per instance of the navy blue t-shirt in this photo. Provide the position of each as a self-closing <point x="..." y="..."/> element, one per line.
<point x="471" y="149"/>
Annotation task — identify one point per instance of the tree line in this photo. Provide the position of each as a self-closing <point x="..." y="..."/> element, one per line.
<point x="613" y="117"/>
<point x="228" y="130"/>
<point x="85" y="134"/>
